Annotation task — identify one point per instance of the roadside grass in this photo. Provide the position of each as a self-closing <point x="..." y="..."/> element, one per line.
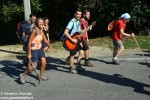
<point x="57" y="45"/>
<point x="129" y="43"/>
<point x="106" y="42"/>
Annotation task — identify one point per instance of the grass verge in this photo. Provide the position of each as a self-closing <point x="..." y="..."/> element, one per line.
<point x="129" y="43"/>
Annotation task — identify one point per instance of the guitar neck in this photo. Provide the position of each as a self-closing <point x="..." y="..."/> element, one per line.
<point x="82" y="32"/>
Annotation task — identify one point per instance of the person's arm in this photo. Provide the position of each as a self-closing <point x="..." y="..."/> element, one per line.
<point x="47" y="42"/>
<point x="23" y="28"/>
<point x="125" y="34"/>
<point x="66" y="32"/>
<point x="31" y="37"/>
<point x="23" y="35"/>
<point x="121" y="26"/>
<point x="47" y="34"/>
<point x="87" y="39"/>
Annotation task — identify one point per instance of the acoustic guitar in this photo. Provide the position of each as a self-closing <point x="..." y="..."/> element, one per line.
<point x="69" y="45"/>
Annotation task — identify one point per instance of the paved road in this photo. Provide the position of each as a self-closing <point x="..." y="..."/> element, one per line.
<point x="104" y="81"/>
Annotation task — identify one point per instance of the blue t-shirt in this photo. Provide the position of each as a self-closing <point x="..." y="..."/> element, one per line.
<point x="73" y="26"/>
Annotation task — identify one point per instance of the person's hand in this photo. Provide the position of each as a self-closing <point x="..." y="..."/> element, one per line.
<point x="90" y="27"/>
<point x="81" y="44"/>
<point x="52" y="50"/>
<point x="132" y="35"/>
<point x="29" y="56"/>
<point x="87" y="41"/>
<point x="74" y="41"/>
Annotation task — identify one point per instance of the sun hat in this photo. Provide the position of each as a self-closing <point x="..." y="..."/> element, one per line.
<point x="125" y="16"/>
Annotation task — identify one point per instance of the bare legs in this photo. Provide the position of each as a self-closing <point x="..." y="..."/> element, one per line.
<point x="117" y="51"/>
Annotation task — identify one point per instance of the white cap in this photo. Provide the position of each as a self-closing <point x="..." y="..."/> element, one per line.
<point x="125" y="16"/>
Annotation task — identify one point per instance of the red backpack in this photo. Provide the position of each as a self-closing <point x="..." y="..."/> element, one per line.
<point x="111" y="26"/>
<point x="19" y="31"/>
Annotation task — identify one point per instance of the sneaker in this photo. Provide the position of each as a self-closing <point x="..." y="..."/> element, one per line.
<point x="79" y="68"/>
<point x="43" y="78"/>
<point x="88" y="64"/>
<point x="67" y="60"/>
<point x="116" y="61"/>
<point x="22" y="79"/>
<point x="73" y="70"/>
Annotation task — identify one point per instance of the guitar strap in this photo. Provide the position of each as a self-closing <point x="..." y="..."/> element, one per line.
<point x="71" y="28"/>
<point x="69" y="31"/>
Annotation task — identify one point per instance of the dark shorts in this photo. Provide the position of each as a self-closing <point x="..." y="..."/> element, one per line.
<point x="36" y="54"/>
<point x="85" y="45"/>
<point x="78" y="49"/>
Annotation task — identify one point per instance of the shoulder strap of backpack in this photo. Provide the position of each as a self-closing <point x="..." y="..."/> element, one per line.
<point x="36" y="31"/>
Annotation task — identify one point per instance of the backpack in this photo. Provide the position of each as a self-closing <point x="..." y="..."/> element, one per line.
<point x="26" y="39"/>
<point x="110" y="26"/>
<point x="19" y="31"/>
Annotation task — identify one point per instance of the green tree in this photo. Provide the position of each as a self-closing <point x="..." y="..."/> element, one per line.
<point x="14" y="9"/>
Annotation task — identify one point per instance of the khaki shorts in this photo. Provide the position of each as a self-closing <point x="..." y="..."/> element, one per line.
<point x="117" y="43"/>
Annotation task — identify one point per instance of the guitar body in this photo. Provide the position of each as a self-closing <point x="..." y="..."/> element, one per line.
<point x="68" y="45"/>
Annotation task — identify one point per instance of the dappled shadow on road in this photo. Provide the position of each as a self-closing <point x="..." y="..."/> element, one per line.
<point x="13" y="52"/>
<point x="118" y="80"/>
<point x="52" y="63"/>
<point x="147" y="64"/>
<point x="56" y="64"/>
<point x="21" y="57"/>
<point x="103" y="61"/>
<point x="147" y="53"/>
<point x="13" y="69"/>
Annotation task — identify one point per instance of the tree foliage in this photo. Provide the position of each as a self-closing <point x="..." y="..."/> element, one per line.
<point x="14" y="9"/>
<point x="61" y="11"/>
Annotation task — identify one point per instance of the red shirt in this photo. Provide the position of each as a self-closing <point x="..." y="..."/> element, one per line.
<point x="119" y="24"/>
<point x="84" y="25"/>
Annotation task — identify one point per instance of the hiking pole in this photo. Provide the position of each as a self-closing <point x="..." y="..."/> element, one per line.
<point x="35" y="69"/>
<point x="140" y="49"/>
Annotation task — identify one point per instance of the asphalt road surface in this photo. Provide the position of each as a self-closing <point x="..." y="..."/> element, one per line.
<point x="105" y="81"/>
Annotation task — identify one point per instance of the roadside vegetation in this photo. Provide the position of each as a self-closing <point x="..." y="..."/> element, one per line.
<point x="129" y="43"/>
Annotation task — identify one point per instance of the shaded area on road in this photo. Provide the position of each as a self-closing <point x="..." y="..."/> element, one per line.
<point x="103" y="61"/>
<point x="56" y="64"/>
<point x="118" y="80"/>
<point x="147" y="64"/>
<point x="145" y="52"/>
<point x="13" y="70"/>
<point x="13" y="52"/>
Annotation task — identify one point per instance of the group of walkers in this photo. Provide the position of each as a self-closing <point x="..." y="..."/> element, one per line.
<point x="38" y="41"/>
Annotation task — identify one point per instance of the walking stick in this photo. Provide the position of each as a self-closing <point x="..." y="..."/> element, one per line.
<point x="140" y="49"/>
